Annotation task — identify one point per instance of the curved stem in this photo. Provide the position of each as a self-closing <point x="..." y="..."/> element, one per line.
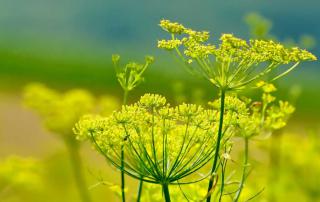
<point x="75" y="159"/>
<point x="139" y="190"/>
<point x="223" y="171"/>
<point x="286" y="72"/>
<point x="166" y="192"/>
<point x="216" y="156"/>
<point x="244" y="171"/>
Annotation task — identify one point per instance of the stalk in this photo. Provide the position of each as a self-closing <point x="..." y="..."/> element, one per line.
<point x="222" y="181"/>
<point x="139" y="190"/>
<point x="125" y="97"/>
<point x="75" y="159"/>
<point x="244" y="171"/>
<point x="123" y="194"/>
<point x="215" y="161"/>
<point x="166" y="193"/>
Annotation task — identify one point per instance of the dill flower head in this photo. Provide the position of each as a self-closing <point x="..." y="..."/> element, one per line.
<point x="60" y="111"/>
<point x="234" y="62"/>
<point x="249" y="118"/>
<point x="162" y="144"/>
<point x="130" y="75"/>
<point x="169" y="44"/>
<point x="172" y="27"/>
<point x="266" y="117"/>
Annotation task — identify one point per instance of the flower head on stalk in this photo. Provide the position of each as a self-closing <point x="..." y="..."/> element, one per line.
<point x="130" y="75"/>
<point x="233" y="63"/>
<point x="249" y="118"/>
<point x="163" y="144"/>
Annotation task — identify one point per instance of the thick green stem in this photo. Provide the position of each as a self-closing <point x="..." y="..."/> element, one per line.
<point x="75" y="159"/>
<point x="139" y="190"/>
<point x="216" y="157"/>
<point x="244" y="171"/>
<point x="125" y="97"/>
<point x="166" y="192"/>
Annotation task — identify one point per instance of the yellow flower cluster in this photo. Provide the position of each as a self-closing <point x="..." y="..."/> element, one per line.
<point x="247" y="118"/>
<point x="277" y="115"/>
<point x="161" y="143"/>
<point x="275" y="52"/>
<point x="231" y="46"/>
<point x="228" y="65"/>
<point x="196" y="35"/>
<point x="61" y="111"/>
<point x="266" y="87"/>
<point x="195" y="50"/>
<point x="169" y="44"/>
<point x="172" y="27"/>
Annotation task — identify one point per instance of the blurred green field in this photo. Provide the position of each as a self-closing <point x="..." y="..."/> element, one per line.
<point x="97" y="75"/>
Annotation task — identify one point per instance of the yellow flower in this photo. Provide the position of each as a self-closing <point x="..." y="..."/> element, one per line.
<point x="154" y="136"/>
<point x="172" y="27"/>
<point x="169" y="44"/>
<point x="231" y="64"/>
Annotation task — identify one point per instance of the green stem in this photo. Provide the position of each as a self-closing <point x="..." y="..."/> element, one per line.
<point x="166" y="193"/>
<point x="75" y="159"/>
<point x="125" y="97"/>
<point x="123" y="195"/>
<point x="122" y="176"/>
<point x="222" y="180"/>
<point x="215" y="161"/>
<point x="139" y="190"/>
<point x="244" y="171"/>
